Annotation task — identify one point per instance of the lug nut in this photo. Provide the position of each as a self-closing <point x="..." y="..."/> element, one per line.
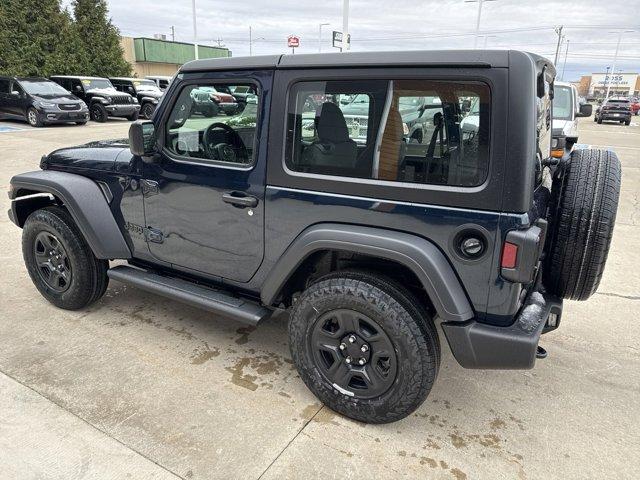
<point x="352" y="339"/>
<point x="364" y="348"/>
<point x="362" y="361"/>
<point x="347" y="360"/>
<point x="342" y="346"/>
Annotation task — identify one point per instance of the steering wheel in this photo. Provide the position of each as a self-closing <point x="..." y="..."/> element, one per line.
<point x="215" y="149"/>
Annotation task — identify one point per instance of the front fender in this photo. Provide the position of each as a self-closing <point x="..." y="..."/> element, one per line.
<point x="421" y="256"/>
<point x="84" y="200"/>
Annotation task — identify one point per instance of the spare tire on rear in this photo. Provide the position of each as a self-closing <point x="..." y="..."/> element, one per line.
<point x="586" y="196"/>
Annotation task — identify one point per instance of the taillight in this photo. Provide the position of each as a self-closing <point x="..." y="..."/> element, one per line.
<point x="509" y="255"/>
<point x="216" y="98"/>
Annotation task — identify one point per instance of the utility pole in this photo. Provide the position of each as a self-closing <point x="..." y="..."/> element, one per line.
<point x="320" y="25"/>
<point x="345" y="25"/>
<point x="480" y="2"/>
<point x="195" y="28"/>
<point x="250" y="42"/>
<point x="173" y="33"/>
<point x="566" y="52"/>
<point x="559" y="33"/>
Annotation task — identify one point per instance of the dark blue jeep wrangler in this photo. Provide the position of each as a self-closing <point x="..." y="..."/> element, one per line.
<point x="370" y="234"/>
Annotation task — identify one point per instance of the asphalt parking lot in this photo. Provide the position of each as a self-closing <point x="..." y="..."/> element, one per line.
<point x="140" y="387"/>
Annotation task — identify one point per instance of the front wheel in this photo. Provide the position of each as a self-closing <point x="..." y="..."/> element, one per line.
<point x="59" y="261"/>
<point x="364" y="346"/>
<point x="147" y="110"/>
<point x="98" y="113"/>
<point x="33" y="118"/>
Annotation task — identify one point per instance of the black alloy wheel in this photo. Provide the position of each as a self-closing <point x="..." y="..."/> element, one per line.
<point x="54" y="267"/>
<point x="353" y="353"/>
<point x="98" y="113"/>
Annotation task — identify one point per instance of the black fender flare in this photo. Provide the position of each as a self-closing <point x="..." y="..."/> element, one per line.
<point x="421" y="256"/>
<point x="84" y="200"/>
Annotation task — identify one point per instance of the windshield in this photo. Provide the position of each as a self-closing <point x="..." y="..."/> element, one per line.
<point x="145" y="86"/>
<point x="42" y="87"/>
<point x="562" y="105"/>
<point x="97" y="83"/>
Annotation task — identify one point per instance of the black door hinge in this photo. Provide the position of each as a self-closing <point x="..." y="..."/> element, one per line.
<point x="153" y="235"/>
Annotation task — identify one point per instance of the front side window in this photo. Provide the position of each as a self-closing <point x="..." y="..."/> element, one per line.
<point x="209" y="125"/>
<point x="417" y="131"/>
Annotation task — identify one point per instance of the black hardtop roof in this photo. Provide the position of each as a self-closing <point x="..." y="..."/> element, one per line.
<point x="131" y="79"/>
<point x="85" y="77"/>
<point x="443" y="58"/>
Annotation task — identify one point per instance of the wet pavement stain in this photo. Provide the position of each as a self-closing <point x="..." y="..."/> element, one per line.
<point x="202" y="357"/>
<point x="310" y="410"/>
<point x="497" y="424"/>
<point x="457" y="441"/>
<point x="458" y="474"/>
<point x="239" y="378"/>
<point x="244" y="334"/>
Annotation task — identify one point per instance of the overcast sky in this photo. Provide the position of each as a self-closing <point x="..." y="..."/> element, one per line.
<point x="590" y="26"/>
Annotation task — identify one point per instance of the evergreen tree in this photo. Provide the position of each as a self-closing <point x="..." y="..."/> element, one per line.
<point x="71" y="56"/>
<point x="30" y="34"/>
<point x="102" y="54"/>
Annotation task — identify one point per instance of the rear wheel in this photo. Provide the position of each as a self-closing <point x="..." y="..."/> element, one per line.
<point x="627" y="122"/>
<point x="599" y="119"/>
<point x="133" y="117"/>
<point x="582" y="226"/>
<point x="59" y="261"/>
<point x="364" y="346"/>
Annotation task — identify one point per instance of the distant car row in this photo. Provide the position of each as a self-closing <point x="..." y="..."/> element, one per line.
<point x="76" y="99"/>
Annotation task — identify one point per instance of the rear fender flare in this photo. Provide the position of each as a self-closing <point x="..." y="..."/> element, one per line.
<point x="421" y="256"/>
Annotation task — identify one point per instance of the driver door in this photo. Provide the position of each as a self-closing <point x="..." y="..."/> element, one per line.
<point x="204" y="191"/>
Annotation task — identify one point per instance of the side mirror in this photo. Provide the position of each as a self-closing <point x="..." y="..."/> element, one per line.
<point x="142" y="138"/>
<point x="15" y="92"/>
<point x="77" y="88"/>
<point x="585" y="110"/>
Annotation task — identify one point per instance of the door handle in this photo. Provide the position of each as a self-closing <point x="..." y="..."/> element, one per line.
<point x="240" y="200"/>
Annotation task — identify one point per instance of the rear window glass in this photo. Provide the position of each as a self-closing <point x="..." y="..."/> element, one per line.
<point x="417" y="131"/>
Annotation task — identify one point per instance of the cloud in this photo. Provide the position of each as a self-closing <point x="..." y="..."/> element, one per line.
<point x="590" y="26"/>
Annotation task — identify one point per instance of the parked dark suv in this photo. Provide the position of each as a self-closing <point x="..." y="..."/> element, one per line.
<point x="614" y="109"/>
<point x="102" y="98"/>
<point x="40" y="101"/>
<point x="372" y="241"/>
<point x="146" y="91"/>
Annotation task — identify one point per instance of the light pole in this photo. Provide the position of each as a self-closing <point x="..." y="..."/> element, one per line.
<point x="615" y="58"/>
<point x="320" y="25"/>
<point x="251" y="40"/>
<point x="195" y="28"/>
<point x="486" y="37"/>
<point x="345" y="25"/>
<point x="560" y="37"/>
<point x="480" y="2"/>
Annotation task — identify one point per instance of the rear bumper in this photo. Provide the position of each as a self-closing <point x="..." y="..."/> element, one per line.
<point x="478" y="345"/>
<point x="616" y="116"/>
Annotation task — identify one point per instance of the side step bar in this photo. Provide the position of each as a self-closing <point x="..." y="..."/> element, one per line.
<point x="215" y="301"/>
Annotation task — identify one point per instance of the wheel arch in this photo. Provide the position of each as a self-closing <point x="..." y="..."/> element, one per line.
<point x="84" y="200"/>
<point x="416" y="254"/>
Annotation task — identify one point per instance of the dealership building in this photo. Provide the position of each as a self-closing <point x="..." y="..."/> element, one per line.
<point x="155" y="56"/>
<point x="622" y="84"/>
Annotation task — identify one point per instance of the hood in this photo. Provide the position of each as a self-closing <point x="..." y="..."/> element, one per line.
<point x="57" y="98"/>
<point x="107" y="92"/>
<point x="561" y="127"/>
<point x="149" y="93"/>
<point x="100" y="155"/>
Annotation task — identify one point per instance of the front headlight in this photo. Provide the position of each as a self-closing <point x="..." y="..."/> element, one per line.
<point x="134" y="100"/>
<point x="104" y="100"/>
<point x="46" y="105"/>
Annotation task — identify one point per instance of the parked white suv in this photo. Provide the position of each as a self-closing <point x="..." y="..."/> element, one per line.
<point x="566" y="110"/>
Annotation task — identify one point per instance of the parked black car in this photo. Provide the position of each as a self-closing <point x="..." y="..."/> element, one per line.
<point x="101" y="97"/>
<point x="373" y="244"/>
<point x="146" y="91"/>
<point x="40" y="101"/>
<point x="614" y="109"/>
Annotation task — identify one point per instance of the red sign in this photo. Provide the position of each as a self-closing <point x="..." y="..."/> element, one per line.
<point x="293" y="41"/>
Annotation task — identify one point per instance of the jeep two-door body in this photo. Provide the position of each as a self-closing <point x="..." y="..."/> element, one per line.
<point x="368" y="240"/>
<point x="101" y="97"/>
